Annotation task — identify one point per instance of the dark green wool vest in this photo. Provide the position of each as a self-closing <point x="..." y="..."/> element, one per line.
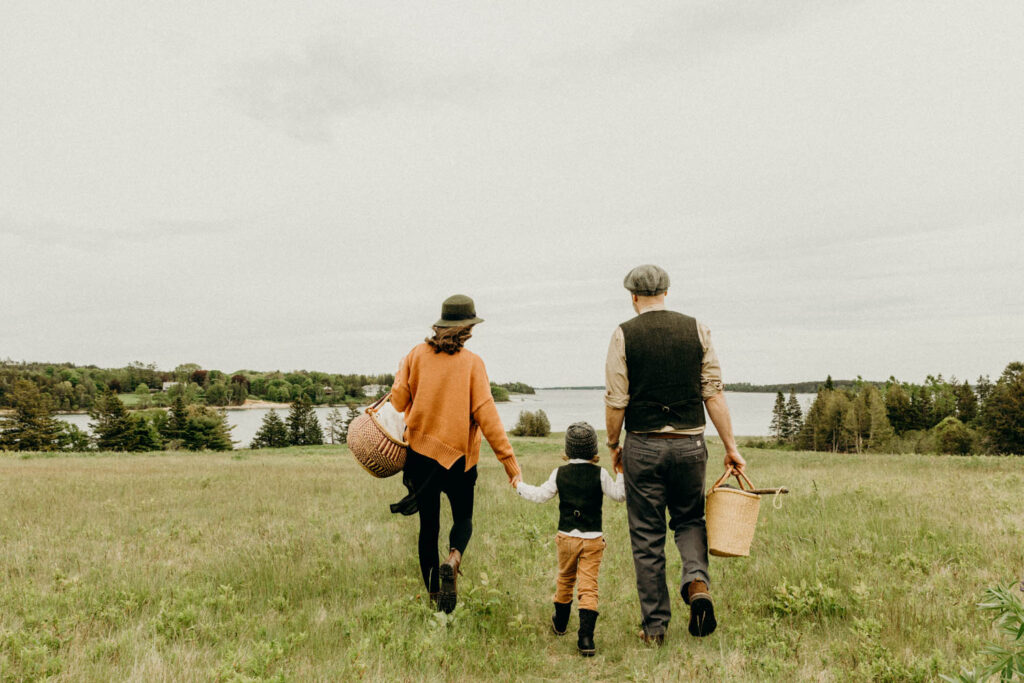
<point x="579" y="497"/>
<point x="663" y="361"/>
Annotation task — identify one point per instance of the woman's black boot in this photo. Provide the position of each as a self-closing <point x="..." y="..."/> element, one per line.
<point x="560" y="619"/>
<point x="448" y="571"/>
<point x="585" y="643"/>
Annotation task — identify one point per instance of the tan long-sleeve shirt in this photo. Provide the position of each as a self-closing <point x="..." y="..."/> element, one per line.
<point x="617" y="375"/>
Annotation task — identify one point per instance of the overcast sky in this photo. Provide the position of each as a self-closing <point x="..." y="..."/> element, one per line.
<point x="833" y="187"/>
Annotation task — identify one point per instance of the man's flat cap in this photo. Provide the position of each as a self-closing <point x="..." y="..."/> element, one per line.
<point x="647" y="280"/>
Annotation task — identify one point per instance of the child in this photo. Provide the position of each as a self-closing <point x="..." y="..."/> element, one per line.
<point x="580" y="485"/>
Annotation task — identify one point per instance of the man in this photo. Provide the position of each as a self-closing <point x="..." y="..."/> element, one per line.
<point x="661" y="373"/>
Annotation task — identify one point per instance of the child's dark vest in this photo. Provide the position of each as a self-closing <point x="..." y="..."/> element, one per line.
<point x="579" y="497"/>
<point x="663" y="359"/>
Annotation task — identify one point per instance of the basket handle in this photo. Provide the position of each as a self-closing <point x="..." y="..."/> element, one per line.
<point x="378" y="402"/>
<point x="733" y="472"/>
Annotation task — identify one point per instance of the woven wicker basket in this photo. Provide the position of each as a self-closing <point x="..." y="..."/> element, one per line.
<point x="381" y="454"/>
<point x="731" y="516"/>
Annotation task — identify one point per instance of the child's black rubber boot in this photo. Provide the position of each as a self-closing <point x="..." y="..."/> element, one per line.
<point x="585" y="643"/>
<point x="560" y="619"/>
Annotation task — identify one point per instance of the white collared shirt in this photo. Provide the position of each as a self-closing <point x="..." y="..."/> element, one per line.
<point x="613" y="488"/>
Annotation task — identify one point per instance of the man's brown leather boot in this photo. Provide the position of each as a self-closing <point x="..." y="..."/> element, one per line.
<point x="448" y="571"/>
<point x="702" y="610"/>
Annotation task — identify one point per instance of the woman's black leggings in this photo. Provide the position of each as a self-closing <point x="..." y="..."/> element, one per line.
<point x="429" y="479"/>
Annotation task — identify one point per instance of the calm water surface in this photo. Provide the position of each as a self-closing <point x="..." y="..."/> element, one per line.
<point x="751" y="413"/>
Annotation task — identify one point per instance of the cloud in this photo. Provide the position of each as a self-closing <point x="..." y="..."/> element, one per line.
<point x="306" y="92"/>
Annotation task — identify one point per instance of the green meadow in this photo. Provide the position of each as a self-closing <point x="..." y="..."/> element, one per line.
<point x="287" y="565"/>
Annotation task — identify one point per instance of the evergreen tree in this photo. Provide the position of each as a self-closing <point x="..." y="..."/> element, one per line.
<point x="1002" y="413"/>
<point x="314" y="434"/>
<point x="112" y="426"/>
<point x="207" y="429"/>
<point x="272" y="432"/>
<point x="794" y="417"/>
<point x="983" y="387"/>
<point x="829" y="385"/>
<point x="303" y="426"/>
<point x="177" y="420"/>
<point x="142" y="435"/>
<point x="966" y="403"/>
<point x="779" y="426"/>
<point x="32" y="427"/>
<point x="809" y="434"/>
<point x="920" y="408"/>
<point x="897" y="407"/>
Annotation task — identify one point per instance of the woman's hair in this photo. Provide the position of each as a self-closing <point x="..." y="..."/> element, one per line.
<point x="450" y="340"/>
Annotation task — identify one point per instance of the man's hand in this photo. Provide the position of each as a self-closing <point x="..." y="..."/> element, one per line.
<point x="516" y="480"/>
<point x="616" y="458"/>
<point x="735" y="460"/>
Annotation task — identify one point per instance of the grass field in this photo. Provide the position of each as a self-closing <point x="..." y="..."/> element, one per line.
<point x="287" y="565"/>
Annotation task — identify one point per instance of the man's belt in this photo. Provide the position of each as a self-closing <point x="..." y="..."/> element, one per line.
<point x="669" y="435"/>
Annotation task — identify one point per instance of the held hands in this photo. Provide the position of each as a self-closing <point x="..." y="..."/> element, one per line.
<point x="616" y="458"/>
<point x="516" y="480"/>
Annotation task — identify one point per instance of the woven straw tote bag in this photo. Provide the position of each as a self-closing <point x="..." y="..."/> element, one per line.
<point x="380" y="453"/>
<point x="731" y="516"/>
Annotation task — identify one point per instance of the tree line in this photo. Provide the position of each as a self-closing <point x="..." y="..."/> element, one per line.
<point x="71" y="387"/>
<point x="808" y="387"/>
<point x="32" y="426"/>
<point x="75" y="388"/>
<point x="938" y="416"/>
<point x="183" y="426"/>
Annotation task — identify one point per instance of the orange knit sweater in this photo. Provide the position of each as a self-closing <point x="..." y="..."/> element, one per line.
<point x="447" y="404"/>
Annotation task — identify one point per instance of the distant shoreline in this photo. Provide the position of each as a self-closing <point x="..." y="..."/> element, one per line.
<point x="807" y="387"/>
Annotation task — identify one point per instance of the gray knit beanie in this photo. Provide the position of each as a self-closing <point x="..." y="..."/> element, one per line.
<point x="580" y="441"/>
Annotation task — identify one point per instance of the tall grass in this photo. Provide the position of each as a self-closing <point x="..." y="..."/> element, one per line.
<point x="287" y="565"/>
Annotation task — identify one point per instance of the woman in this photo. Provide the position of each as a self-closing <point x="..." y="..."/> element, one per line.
<point x="444" y="392"/>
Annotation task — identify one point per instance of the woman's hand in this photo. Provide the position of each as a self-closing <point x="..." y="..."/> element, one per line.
<point x="516" y="480"/>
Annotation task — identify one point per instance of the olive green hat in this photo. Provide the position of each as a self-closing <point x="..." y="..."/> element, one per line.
<point x="458" y="311"/>
<point x="647" y="280"/>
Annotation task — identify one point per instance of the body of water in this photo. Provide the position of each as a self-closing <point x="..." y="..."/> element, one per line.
<point x="751" y="412"/>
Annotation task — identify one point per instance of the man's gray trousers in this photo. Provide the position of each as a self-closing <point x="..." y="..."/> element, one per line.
<point x="665" y="473"/>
